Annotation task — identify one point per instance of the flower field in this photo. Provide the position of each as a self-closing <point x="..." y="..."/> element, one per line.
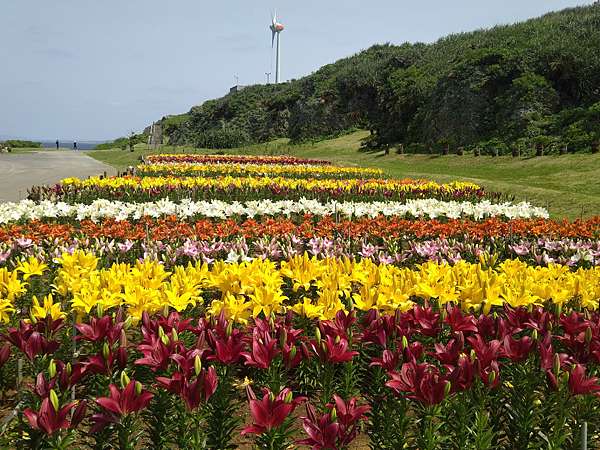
<point x="217" y="302"/>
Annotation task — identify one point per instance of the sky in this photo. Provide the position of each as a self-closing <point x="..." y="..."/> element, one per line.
<point x="92" y="70"/>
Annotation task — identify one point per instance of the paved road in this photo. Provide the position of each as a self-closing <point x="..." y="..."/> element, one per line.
<point x="18" y="172"/>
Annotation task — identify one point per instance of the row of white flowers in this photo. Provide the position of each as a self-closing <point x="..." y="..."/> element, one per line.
<point x="424" y="208"/>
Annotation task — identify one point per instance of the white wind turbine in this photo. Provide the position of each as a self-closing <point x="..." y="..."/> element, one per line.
<point x="276" y="29"/>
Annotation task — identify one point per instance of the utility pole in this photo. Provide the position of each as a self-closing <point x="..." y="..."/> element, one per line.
<point x="268" y="74"/>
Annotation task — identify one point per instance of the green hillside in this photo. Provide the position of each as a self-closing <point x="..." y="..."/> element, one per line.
<point x="532" y="84"/>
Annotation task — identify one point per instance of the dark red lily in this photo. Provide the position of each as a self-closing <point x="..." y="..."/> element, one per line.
<point x="99" y="329"/>
<point x="4" y="354"/>
<point x="333" y="350"/>
<point x="322" y="431"/>
<point x="50" y="420"/>
<point x="517" y="349"/>
<point x="422" y="382"/>
<point x="120" y="403"/>
<point x="264" y="350"/>
<point x="31" y="339"/>
<point x="460" y="322"/>
<point x="271" y="411"/>
<point x="579" y="384"/>
<point x="349" y="415"/>
<point x="193" y="392"/>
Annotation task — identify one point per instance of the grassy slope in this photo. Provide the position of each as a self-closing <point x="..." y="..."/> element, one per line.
<point x="567" y="185"/>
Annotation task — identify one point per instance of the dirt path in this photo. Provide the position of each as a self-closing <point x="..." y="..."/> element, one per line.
<point x="18" y="172"/>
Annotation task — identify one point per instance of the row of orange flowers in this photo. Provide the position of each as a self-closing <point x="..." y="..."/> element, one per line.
<point x="380" y="227"/>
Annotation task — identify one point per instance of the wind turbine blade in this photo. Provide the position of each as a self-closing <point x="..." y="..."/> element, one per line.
<point x="272" y="38"/>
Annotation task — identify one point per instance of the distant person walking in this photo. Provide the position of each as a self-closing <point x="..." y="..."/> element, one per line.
<point x="74" y="145"/>
<point x="57" y="144"/>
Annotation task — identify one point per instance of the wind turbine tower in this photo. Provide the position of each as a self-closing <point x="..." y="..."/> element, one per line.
<point x="276" y="29"/>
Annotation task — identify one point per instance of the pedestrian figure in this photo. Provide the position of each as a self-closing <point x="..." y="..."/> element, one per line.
<point x="57" y="143"/>
<point x="74" y="145"/>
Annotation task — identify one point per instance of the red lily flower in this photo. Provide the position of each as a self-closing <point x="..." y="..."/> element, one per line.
<point x="192" y="392"/>
<point x="4" y="354"/>
<point x="271" y="411"/>
<point x="340" y="325"/>
<point x="426" y="320"/>
<point x="322" y="431"/>
<point x="264" y="350"/>
<point x="422" y="382"/>
<point x="462" y="374"/>
<point x="449" y="353"/>
<point x="486" y="351"/>
<point x="31" y="339"/>
<point x="49" y="420"/>
<point x="227" y="349"/>
<point x="349" y="416"/>
<point x="517" y="349"/>
<point x="389" y="360"/>
<point x="120" y="403"/>
<point x="486" y="325"/>
<point x="459" y="322"/>
<point x="333" y="350"/>
<point x="157" y="354"/>
<point x="580" y="385"/>
<point x="99" y="329"/>
<point x="547" y="360"/>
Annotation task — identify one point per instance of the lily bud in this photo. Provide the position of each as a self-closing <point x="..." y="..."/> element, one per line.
<point x="197" y="365"/>
<point x="404" y="342"/>
<point x="473" y="355"/>
<point x="558" y="310"/>
<point x="105" y="351"/>
<point x="165" y="311"/>
<point x="492" y="377"/>
<point x="52" y="369"/>
<point x="530" y="308"/>
<point x="68" y="369"/>
<point x="161" y="332"/>
<point x="138" y="388"/>
<point x="588" y="335"/>
<point x="165" y="339"/>
<point x="271" y="321"/>
<point x="32" y="317"/>
<point x="337" y="339"/>
<point x="556" y="364"/>
<point x="229" y="330"/>
<point x="333" y="414"/>
<point x="293" y="352"/>
<point x="174" y="335"/>
<point x="534" y="334"/>
<point x="123" y="339"/>
<point x="447" y="388"/>
<point x="283" y="338"/>
<point x="288" y="397"/>
<point x="124" y="379"/>
<point x="565" y="376"/>
<point x="54" y="400"/>
<point x="318" y="335"/>
<point x="99" y="309"/>
<point x="271" y="396"/>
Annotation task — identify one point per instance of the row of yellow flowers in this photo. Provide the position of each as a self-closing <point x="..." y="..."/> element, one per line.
<point x="194" y="169"/>
<point x="316" y="288"/>
<point x="225" y="182"/>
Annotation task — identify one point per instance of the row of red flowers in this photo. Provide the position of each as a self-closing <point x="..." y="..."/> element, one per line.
<point x="529" y="373"/>
<point x="171" y="228"/>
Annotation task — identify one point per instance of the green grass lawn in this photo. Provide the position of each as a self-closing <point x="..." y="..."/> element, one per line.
<point x="567" y="185"/>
